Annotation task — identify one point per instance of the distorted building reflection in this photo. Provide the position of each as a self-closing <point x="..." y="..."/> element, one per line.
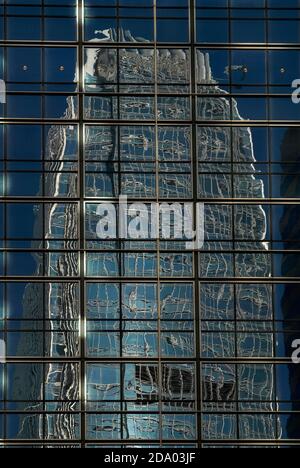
<point x="155" y="321"/>
<point x="229" y="389"/>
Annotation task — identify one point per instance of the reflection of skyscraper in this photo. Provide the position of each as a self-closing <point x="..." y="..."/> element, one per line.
<point x="221" y="151"/>
<point x="111" y="153"/>
<point x="53" y="307"/>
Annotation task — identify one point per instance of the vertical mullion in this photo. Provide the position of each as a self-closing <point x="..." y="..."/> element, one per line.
<point x="81" y="138"/>
<point x="5" y="365"/>
<point x="270" y="218"/>
<point x="43" y="74"/>
<point x="196" y="255"/>
<point x="45" y="165"/>
<point x="122" y="365"/>
<point x="121" y="242"/>
<point x="160" y="396"/>
<point x="233" y="207"/>
<point x="5" y="259"/>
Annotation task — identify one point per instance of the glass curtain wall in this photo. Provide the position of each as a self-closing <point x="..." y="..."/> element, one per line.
<point x="144" y="343"/>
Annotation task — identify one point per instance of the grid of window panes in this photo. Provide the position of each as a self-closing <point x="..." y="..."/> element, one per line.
<point x="143" y="342"/>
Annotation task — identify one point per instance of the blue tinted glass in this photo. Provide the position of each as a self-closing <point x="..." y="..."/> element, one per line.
<point x="286" y="4"/>
<point x="104" y="30"/>
<point x="284" y="66"/>
<point x="21" y="221"/>
<point x="248" y="67"/>
<point x="1" y="28"/>
<point x="248" y="3"/>
<point x="26" y="184"/>
<point x="172" y="3"/>
<point x="283" y="109"/>
<point x="60" y="29"/>
<point x="24" y="106"/>
<point x="248" y="31"/>
<point x="109" y="328"/>
<point x="136" y="30"/>
<point x="19" y="28"/>
<point x="24" y="2"/>
<point x="284" y="31"/>
<point x="212" y="31"/>
<point x="172" y="30"/>
<point x="24" y="142"/>
<point x="212" y="3"/>
<point x="136" y="3"/>
<point x="24" y="64"/>
<point x="22" y="264"/>
<point x="285" y="143"/>
<point x="100" y="2"/>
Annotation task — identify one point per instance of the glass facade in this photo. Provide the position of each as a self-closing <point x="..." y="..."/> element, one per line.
<point x="144" y="343"/>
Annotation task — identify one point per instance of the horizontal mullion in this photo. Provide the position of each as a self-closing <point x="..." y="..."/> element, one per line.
<point x="232" y="241"/>
<point x="65" y="322"/>
<point x="46" y="161"/>
<point x="46" y="319"/>
<point x="239" y="321"/>
<point x="76" y="332"/>
<point x="257" y="174"/>
<point x="231" y="7"/>
<point x="29" y="412"/>
<point x="206" y="201"/>
<point x="42" y="83"/>
<point x="41" y="171"/>
<point x="151" y="45"/>
<point x="122" y="281"/>
<point x="93" y="442"/>
<point x="36" y="15"/>
<point x="35" y="5"/>
<point x="125" y="171"/>
<point x="143" y="123"/>
<point x="142" y="161"/>
<point x="67" y="122"/>
<point x="186" y="279"/>
<point x="90" y="360"/>
<point x="176" y="251"/>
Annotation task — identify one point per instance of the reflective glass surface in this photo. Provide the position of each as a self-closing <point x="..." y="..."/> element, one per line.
<point x="147" y="342"/>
